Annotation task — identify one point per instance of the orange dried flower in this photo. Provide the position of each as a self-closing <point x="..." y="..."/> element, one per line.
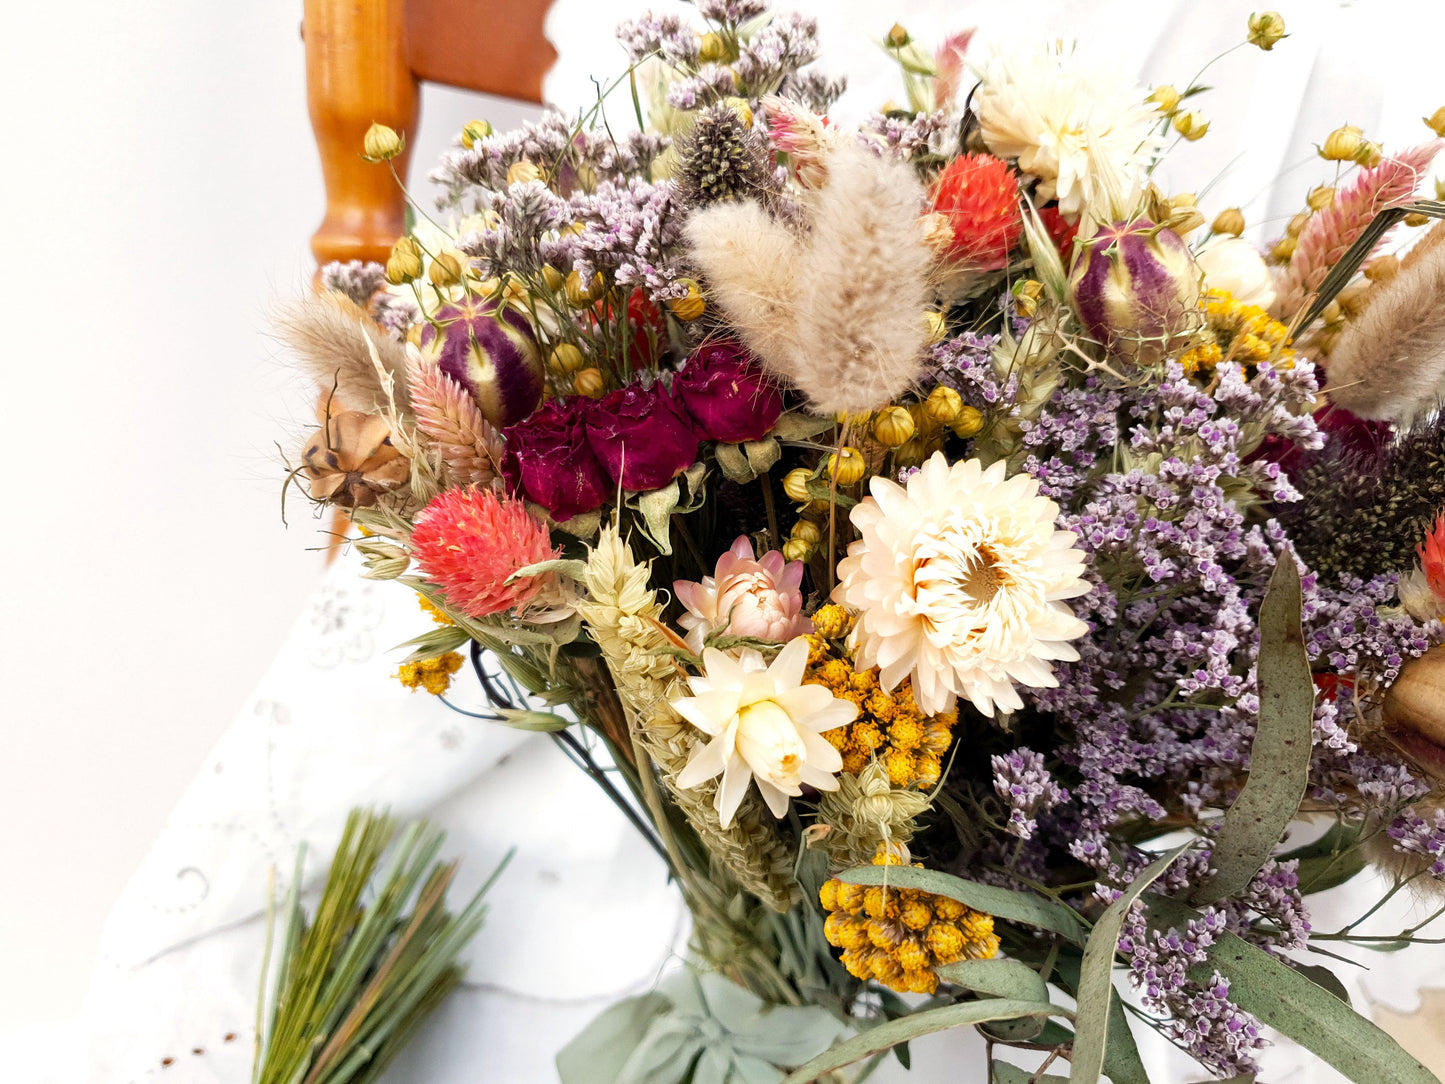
<point x="980" y="196"/>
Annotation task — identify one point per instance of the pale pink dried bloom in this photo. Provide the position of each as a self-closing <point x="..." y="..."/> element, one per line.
<point x="949" y="61"/>
<point x="1330" y="232"/>
<point x="803" y="136"/>
<point x="746" y="596"/>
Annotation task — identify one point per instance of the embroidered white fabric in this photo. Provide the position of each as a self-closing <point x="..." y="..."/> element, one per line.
<point x="585" y="915"/>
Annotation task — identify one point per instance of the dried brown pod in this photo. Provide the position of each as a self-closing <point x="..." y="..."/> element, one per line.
<point x="1414" y="710"/>
<point x="351" y="461"/>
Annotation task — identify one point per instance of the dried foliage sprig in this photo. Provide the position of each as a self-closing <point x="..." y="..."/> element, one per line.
<point x="1389" y="362"/>
<point x="329" y="334"/>
<point x="352" y="982"/>
<point x="1330" y="232"/>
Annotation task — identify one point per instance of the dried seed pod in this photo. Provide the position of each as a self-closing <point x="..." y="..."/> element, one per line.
<point x="1415" y="703"/>
<point x="352" y="461"/>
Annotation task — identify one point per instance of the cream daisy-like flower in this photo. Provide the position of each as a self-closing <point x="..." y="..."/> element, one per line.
<point x="765" y="726"/>
<point x="959" y="581"/>
<point x="1054" y="109"/>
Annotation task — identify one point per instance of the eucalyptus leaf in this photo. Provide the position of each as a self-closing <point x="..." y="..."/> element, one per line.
<point x="1096" y="974"/>
<point x="1323" y="976"/>
<point x="1004" y="903"/>
<point x="1122" y="1063"/>
<point x="1004" y="1073"/>
<point x="597" y="1054"/>
<point x="893" y="1032"/>
<point x="996" y="978"/>
<point x="1329" y="861"/>
<point x="795" y="426"/>
<point x="1298" y="1007"/>
<point x="562" y="566"/>
<point x="1279" y="760"/>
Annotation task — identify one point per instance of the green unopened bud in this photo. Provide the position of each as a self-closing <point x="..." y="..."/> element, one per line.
<point x="404" y="263"/>
<point x="446" y="269"/>
<point x="1230" y="221"/>
<point x="381" y="144"/>
<point x="713" y="48"/>
<point x="1191" y="126"/>
<point x="1266" y="29"/>
<point x="474" y="131"/>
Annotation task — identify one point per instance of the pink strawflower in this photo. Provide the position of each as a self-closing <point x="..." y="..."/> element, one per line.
<point x="746" y="596"/>
<point x="469" y="541"/>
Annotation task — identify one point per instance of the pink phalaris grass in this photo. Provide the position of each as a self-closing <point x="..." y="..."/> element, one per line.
<point x="466" y="441"/>
<point x="1330" y="232"/>
<point x="949" y="63"/>
<point x="470" y="541"/>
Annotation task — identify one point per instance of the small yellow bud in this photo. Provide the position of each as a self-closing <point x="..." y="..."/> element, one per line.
<point x="1297" y="224"/>
<point x="404" y="263"/>
<point x="474" y="131"/>
<point x="893" y="426"/>
<point x="847" y="467"/>
<point x="1382" y="268"/>
<point x="1320" y="197"/>
<point x="741" y="107"/>
<point x="795" y="484"/>
<point x="1166" y="98"/>
<point x="795" y="549"/>
<point x="712" y="49"/>
<point x="1416" y="219"/>
<point x="937" y="326"/>
<point x="447" y="269"/>
<point x="898" y="37"/>
<point x="1283" y="250"/>
<point x="808" y="531"/>
<point x="1440" y="189"/>
<point x="553" y="279"/>
<point x="1352" y="299"/>
<point x="1369" y="154"/>
<point x="689" y="307"/>
<point x="1266" y="28"/>
<point x="580" y="294"/>
<point x="520" y="172"/>
<point x="381" y="144"/>
<point x="1191" y="125"/>
<point x="1230" y="221"/>
<point x="590" y="382"/>
<point x="1332" y="313"/>
<point x="969" y="422"/>
<point x="1342" y="144"/>
<point x="566" y="358"/>
<point x="913" y="453"/>
<point x="943" y="405"/>
<point x="857" y="418"/>
<point x="1185" y="220"/>
<point x="1436" y="121"/>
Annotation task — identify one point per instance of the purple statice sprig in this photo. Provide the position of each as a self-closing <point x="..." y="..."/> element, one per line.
<point x="1411" y="833"/>
<point x="1027" y="789"/>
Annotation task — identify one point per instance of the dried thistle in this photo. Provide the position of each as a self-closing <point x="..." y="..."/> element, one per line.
<point x="1330" y="232"/>
<point x="333" y="339"/>
<point x="466" y="442"/>
<point x="1388" y="362"/>
<point x="723" y="159"/>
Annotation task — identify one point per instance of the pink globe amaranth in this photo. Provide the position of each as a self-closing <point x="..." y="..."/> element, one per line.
<point x="746" y="595"/>
<point x="728" y="395"/>
<point x="641" y="437"/>
<point x="1135" y="288"/>
<point x="489" y="350"/>
<point x="549" y="461"/>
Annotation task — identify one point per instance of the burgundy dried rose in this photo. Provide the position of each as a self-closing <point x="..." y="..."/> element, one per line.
<point x="550" y="462"/>
<point x="728" y="394"/>
<point x="642" y="437"/>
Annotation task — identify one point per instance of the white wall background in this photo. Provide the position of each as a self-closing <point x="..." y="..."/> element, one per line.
<point x="160" y="188"/>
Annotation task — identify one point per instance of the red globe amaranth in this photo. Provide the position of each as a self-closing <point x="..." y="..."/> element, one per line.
<point x="980" y="195"/>
<point x="728" y="395"/>
<point x="1060" y="230"/>
<point x="641" y="437"/>
<point x="550" y="462"/>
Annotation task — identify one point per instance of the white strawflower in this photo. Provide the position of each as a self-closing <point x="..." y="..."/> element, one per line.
<point x="1051" y="107"/>
<point x="765" y="725"/>
<point x="1235" y="265"/>
<point x="958" y="580"/>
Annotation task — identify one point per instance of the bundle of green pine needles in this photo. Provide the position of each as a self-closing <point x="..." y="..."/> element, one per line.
<point x="350" y="985"/>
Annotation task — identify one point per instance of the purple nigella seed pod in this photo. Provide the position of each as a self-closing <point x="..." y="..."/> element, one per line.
<point x="1135" y="287"/>
<point x="492" y="352"/>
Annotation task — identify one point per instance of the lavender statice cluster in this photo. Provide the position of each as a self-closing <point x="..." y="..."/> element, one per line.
<point x="909" y="137"/>
<point x="1027" y="789"/>
<point x="1411" y="833"/>
<point x="632" y="231"/>
<point x="358" y="280"/>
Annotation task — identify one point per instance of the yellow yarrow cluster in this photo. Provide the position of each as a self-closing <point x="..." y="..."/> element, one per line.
<point x="898" y="936"/>
<point x="432" y="610"/>
<point x="433" y="675"/>
<point x="909" y="744"/>
<point x="1238" y="332"/>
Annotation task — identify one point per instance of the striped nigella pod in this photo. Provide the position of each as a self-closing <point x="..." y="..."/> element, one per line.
<point x="491" y="351"/>
<point x="1136" y="290"/>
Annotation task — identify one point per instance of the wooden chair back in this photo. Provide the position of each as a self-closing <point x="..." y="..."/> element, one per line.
<point x="365" y="60"/>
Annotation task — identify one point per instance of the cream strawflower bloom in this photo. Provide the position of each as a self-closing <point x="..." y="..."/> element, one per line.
<point x="1051" y="107"/>
<point x="959" y="580"/>
<point x="765" y="725"/>
<point x="1234" y="265"/>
